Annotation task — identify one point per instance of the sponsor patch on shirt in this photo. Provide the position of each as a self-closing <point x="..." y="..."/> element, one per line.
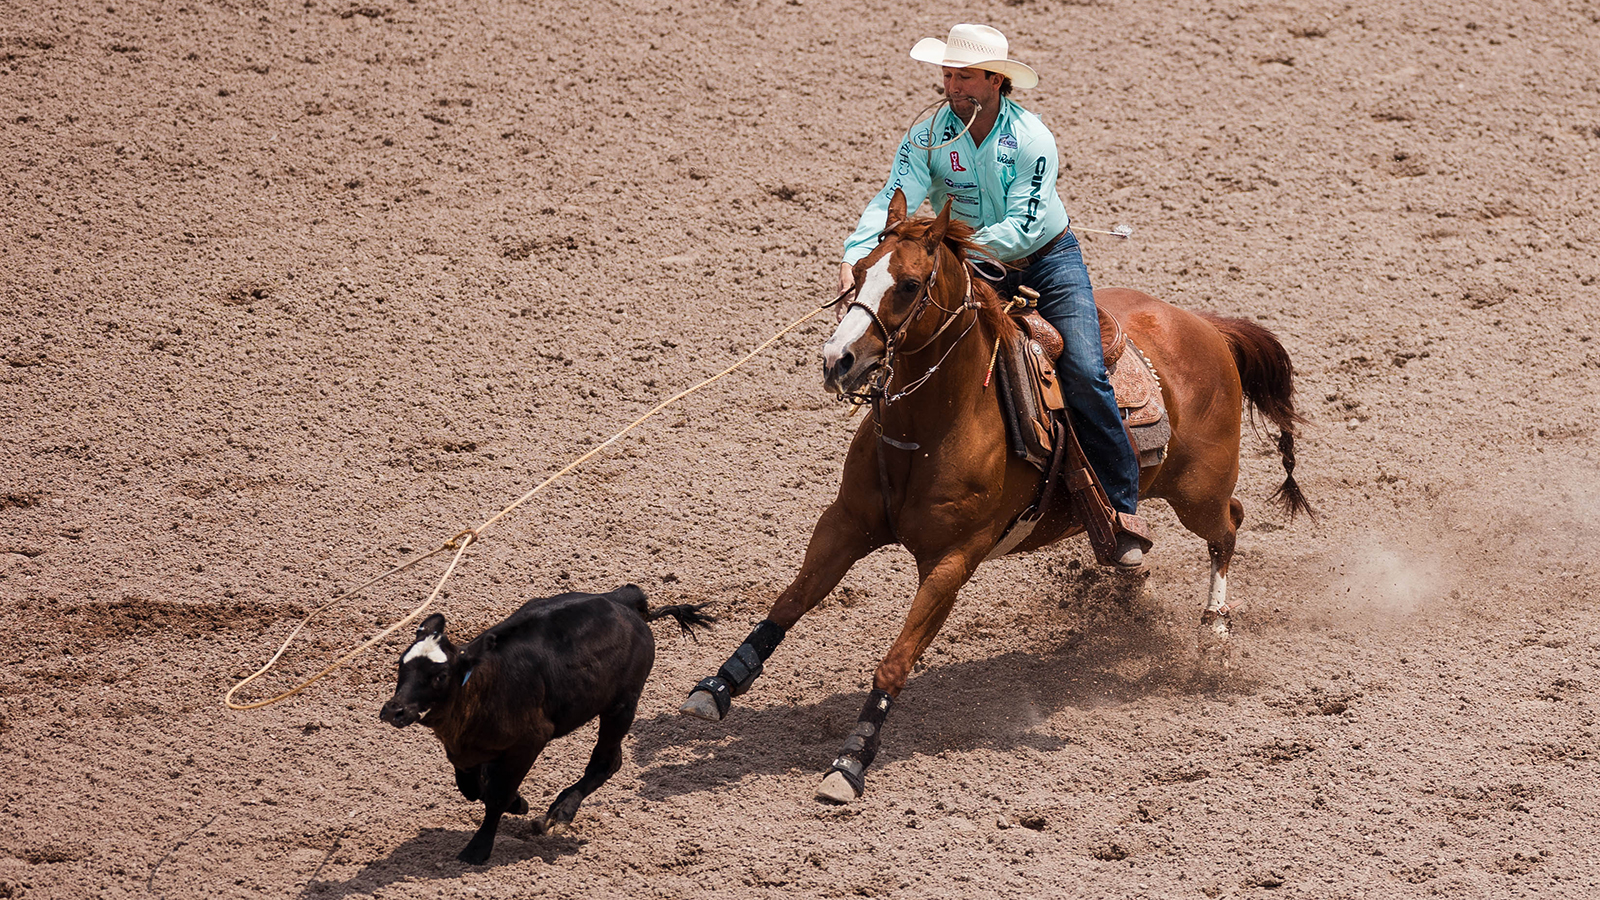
<point x="1007" y="140"/>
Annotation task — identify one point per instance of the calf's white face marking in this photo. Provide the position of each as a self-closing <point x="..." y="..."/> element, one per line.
<point x="856" y="322"/>
<point x="429" y="647"/>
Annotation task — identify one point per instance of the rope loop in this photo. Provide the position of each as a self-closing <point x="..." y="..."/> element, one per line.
<point x="468" y="536"/>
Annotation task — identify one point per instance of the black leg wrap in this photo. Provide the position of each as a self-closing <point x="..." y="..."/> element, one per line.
<point x="861" y="747"/>
<point x="766" y="637"/>
<point x="718" y="689"/>
<point x="741" y="669"/>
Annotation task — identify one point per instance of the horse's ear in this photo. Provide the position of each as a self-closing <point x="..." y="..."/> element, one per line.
<point x="897" y="209"/>
<point x="935" y="234"/>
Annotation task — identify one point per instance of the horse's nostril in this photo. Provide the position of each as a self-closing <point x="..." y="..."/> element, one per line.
<point x="847" y="361"/>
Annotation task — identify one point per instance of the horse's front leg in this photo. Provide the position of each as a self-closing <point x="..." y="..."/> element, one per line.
<point x="845" y="780"/>
<point x="839" y="540"/>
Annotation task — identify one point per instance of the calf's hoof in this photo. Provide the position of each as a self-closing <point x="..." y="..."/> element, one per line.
<point x="474" y="854"/>
<point x="519" y="806"/>
<point x="836" y="788"/>
<point x="701" y="705"/>
<point x="547" y="826"/>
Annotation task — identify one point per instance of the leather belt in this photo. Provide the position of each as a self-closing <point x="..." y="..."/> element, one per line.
<point x="1040" y="253"/>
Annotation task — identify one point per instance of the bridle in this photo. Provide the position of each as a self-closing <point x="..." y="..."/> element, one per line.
<point x="875" y="392"/>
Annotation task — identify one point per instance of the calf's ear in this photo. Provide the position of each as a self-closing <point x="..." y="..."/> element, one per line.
<point x="432" y="625"/>
<point x="478" y="648"/>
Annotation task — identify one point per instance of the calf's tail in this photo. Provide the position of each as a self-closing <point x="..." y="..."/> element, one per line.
<point x="1267" y="376"/>
<point x="688" y="615"/>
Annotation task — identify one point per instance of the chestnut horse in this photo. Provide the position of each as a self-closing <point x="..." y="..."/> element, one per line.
<point x="932" y="469"/>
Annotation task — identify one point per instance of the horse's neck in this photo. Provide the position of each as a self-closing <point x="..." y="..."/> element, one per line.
<point x="934" y="384"/>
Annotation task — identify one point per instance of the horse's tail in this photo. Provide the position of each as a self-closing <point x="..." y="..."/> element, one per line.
<point x="1267" y="376"/>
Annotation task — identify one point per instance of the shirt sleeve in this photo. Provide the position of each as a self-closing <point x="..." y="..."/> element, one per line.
<point x="910" y="174"/>
<point x="1029" y="201"/>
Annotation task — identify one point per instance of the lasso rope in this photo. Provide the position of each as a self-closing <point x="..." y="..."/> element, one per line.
<point x="466" y="537"/>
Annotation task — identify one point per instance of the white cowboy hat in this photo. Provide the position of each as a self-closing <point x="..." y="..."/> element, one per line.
<point x="975" y="47"/>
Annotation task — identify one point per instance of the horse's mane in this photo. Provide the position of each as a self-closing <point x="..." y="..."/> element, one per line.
<point x="958" y="240"/>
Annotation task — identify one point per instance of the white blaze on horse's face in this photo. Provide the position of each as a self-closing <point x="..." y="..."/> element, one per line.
<point x="840" y="361"/>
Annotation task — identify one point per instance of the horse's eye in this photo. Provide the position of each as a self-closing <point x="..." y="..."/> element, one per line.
<point x="909" y="286"/>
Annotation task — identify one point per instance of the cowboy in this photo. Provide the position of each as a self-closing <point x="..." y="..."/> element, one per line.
<point x="996" y="163"/>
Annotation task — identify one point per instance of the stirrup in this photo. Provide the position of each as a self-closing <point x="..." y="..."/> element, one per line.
<point x="1133" y="541"/>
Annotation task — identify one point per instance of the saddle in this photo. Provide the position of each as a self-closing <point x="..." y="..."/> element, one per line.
<point x="1039" y="430"/>
<point x="1032" y="400"/>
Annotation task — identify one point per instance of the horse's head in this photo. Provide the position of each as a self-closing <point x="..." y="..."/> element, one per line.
<point x="893" y="285"/>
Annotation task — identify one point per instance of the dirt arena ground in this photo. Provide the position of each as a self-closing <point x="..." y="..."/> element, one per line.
<point x="293" y="291"/>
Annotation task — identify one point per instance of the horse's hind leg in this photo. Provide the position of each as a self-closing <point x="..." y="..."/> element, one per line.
<point x="1219" y="528"/>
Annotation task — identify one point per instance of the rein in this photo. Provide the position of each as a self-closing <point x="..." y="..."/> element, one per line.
<point x="877" y="393"/>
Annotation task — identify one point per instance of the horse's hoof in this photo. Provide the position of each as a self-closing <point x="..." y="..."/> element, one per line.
<point x="701" y="705"/>
<point x="1216" y="640"/>
<point x="518" y="807"/>
<point x="837" y="789"/>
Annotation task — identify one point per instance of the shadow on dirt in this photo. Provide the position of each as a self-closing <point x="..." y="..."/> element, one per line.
<point x="1000" y="702"/>
<point x="431" y="856"/>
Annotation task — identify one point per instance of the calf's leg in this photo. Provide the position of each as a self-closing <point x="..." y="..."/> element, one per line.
<point x="604" y="762"/>
<point x="470" y="782"/>
<point x="501" y="778"/>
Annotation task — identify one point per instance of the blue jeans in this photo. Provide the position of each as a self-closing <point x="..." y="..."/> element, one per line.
<point x="1066" y="301"/>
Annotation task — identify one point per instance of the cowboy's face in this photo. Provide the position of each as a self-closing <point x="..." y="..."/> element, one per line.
<point x="964" y="86"/>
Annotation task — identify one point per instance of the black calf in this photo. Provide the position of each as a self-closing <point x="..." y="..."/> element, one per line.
<point x="545" y="671"/>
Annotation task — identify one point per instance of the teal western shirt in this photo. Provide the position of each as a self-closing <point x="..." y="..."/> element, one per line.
<point x="1005" y="188"/>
